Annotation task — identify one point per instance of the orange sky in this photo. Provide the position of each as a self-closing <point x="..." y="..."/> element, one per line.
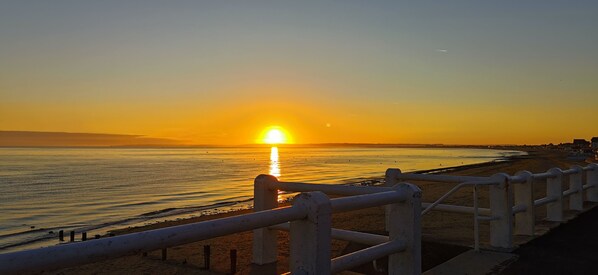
<point x="212" y="73"/>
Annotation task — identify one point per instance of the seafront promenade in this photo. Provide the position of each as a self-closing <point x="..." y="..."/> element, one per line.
<point x="444" y="234"/>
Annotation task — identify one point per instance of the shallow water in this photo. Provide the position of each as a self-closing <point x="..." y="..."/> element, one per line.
<point x="96" y="189"/>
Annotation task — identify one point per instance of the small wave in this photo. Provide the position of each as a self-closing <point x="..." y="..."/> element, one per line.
<point x="31" y="231"/>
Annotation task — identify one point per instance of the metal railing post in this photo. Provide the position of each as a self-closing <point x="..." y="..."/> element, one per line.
<point x="390" y="180"/>
<point x="405" y="225"/>
<point x="311" y="237"/>
<point x="575" y="183"/>
<point x="554" y="189"/>
<point x="524" y="195"/>
<point x="476" y="220"/>
<point x="592" y="180"/>
<point x="264" y="240"/>
<point x="501" y="207"/>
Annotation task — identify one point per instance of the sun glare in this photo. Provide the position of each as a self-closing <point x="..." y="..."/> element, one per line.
<point x="274" y="135"/>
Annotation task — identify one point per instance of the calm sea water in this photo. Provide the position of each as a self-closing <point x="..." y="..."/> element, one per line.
<point x="94" y="190"/>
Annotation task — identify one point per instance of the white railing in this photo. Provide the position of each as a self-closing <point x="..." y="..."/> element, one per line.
<point x="511" y="197"/>
<point x="403" y="203"/>
<point x="308" y="219"/>
<point x="309" y="222"/>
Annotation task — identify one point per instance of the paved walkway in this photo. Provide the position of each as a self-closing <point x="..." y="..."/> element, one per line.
<point x="571" y="248"/>
<point x="472" y="263"/>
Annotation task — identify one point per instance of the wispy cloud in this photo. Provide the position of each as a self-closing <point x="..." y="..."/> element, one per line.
<point x="441" y="50"/>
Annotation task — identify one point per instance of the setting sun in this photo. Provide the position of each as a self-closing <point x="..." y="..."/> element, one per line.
<point x="274" y="135"/>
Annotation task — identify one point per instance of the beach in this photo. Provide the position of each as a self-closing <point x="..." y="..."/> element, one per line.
<point x="444" y="235"/>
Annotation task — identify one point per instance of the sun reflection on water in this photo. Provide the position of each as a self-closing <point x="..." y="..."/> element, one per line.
<point x="274" y="164"/>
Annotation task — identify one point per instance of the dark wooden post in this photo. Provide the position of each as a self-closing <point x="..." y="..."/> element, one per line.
<point x="72" y="236"/>
<point x="163" y="254"/>
<point x="84" y="236"/>
<point x="233" y="261"/>
<point x="61" y="235"/>
<point x="206" y="257"/>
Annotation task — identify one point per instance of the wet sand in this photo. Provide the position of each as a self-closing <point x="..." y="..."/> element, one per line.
<point x="444" y="235"/>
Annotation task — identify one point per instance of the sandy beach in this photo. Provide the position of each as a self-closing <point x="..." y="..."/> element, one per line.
<point x="444" y="234"/>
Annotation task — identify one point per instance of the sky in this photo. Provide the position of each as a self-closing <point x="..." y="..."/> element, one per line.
<point x="220" y="72"/>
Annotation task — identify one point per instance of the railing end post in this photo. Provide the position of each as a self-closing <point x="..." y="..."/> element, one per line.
<point x="405" y="225"/>
<point x="311" y="237"/>
<point x="391" y="176"/>
<point x="264" y="240"/>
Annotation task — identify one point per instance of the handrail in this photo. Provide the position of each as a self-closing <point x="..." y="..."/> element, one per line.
<point x="519" y="208"/>
<point x="363" y="256"/>
<point x="523" y="211"/>
<point x="545" y="200"/>
<point x="438" y="178"/>
<point x="403" y="200"/>
<point x="365" y="201"/>
<point x="72" y="254"/>
<point x="457" y="208"/>
<point x="331" y="189"/>
<point x="345" y="235"/>
<point x="311" y="212"/>
<point x="455" y="189"/>
<point x="545" y="175"/>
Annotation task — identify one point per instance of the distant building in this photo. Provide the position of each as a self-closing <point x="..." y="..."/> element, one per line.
<point x="581" y="144"/>
<point x="595" y="143"/>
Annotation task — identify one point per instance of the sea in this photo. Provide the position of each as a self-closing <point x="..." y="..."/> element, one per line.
<point x="95" y="190"/>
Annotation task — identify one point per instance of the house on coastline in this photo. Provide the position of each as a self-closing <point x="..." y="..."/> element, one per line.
<point x="595" y="143"/>
<point x="581" y="144"/>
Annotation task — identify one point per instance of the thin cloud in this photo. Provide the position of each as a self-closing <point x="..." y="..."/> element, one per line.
<point x="441" y="50"/>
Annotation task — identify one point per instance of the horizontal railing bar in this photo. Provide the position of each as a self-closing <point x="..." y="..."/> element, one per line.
<point x="570" y="171"/>
<point x="457" y="208"/>
<point x="488" y="218"/>
<point x="519" y="208"/>
<point x="587" y="186"/>
<point x="569" y="192"/>
<point x="545" y="200"/>
<point x="518" y="179"/>
<point x="545" y="175"/>
<point x="60" y="256"/>
<point x="368" y="200"/>
<point x="345" y="235"/>
<point x="330" y="189"/>
<point x="455" y="189"/>
<point x="588" y="168"/>
<point x="439" y="178"/>
<point x="367" y="255"/>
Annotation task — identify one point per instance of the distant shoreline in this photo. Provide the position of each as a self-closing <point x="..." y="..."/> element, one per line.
<point x="314" y="145"/>
<point x="34" y="139"/>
